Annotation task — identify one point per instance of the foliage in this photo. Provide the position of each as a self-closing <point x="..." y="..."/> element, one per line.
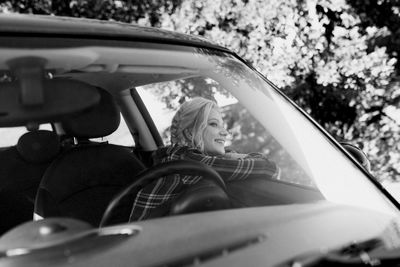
<point x="379" y="127"/>
<point x="384" y="15"/>
<point x="118" y="10"/>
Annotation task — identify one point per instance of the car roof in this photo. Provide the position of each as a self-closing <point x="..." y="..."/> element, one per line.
<point x="36" y="25"/>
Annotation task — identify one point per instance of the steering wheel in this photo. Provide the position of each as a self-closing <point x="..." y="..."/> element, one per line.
<point x="186" y="202"/>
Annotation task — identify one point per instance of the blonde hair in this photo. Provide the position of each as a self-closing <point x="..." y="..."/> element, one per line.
<point x="189" y="122"/>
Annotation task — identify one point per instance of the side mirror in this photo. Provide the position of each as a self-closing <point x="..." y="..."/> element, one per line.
<point x="357" y="154"/>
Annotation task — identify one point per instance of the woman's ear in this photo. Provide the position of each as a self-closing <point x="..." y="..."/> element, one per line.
<point x="188" y="134"/>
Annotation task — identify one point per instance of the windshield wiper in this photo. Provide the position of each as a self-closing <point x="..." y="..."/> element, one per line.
<point x="368" y="253"/>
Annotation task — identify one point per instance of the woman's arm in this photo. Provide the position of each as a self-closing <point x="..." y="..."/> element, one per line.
<point x="236" y="167"/>
<point x="234" y="155"/>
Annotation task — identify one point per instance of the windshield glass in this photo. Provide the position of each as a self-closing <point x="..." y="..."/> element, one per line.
<point x="260" y="120"/>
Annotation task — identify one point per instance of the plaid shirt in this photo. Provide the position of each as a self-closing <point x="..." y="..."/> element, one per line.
<point x="165" y="189"/>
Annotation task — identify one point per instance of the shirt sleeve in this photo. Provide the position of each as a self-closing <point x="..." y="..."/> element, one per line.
<point x="236" y="169"/>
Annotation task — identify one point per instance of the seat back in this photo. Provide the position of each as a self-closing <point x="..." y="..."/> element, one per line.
<point x="83" y="179"/>
<point x="21" y="169"/>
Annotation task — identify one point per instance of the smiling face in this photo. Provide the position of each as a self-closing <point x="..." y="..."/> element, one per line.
<point x="214" y="135"/>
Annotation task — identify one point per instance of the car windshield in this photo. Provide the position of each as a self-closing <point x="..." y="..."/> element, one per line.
<point x="260" y="120"/>
<point x="92" y="117"/>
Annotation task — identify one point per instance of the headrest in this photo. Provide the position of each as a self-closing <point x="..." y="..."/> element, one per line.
<point x="99" y="121"/>
<point x="38" y="146"/>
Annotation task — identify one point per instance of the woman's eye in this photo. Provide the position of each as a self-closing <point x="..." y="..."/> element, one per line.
<point x="213" y="124"/>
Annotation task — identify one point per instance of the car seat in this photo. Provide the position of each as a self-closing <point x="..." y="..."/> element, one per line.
<point x="22" y="167"/>
<point x="82" y="180"/>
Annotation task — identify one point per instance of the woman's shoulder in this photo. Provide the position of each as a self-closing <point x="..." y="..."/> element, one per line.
<point x="172" y="152"/>
<point x="173" y="149"/>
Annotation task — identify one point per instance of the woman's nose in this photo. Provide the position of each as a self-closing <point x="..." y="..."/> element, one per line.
<point x="224" y="132"/>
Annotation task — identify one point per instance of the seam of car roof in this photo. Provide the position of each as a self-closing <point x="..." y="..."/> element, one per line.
<point x="155" y="40"/>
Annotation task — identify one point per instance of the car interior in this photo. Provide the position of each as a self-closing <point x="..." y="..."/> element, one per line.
<point x="63" y="173"/>
<point x="70" y="171"/>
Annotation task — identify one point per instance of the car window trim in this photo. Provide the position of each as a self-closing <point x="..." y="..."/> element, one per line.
<point x="147" y="117"/>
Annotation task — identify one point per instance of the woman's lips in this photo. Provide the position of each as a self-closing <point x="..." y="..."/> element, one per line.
<point x="220" y="141"/>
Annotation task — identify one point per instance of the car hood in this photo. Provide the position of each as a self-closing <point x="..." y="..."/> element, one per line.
<point x="261" y="236"/>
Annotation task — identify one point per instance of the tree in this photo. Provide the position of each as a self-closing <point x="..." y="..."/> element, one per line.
<point x="119" y="10"/>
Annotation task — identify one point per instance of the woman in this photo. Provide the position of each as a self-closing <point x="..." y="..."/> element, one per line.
<point x="197" y="133"/>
